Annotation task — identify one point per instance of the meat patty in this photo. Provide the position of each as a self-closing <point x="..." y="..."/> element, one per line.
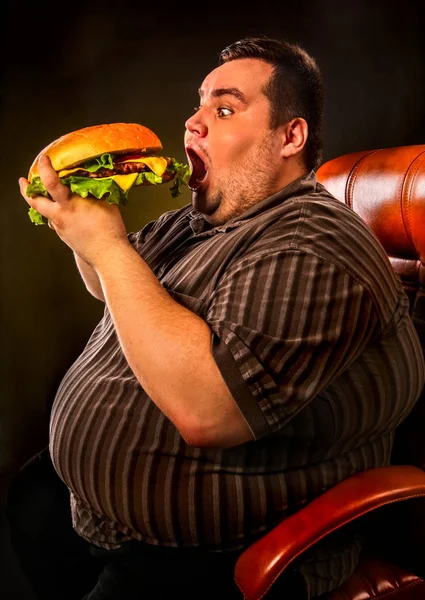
<point x="121" y="169"/>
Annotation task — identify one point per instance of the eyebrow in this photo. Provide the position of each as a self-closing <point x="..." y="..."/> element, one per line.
<point x="227" y="91"/>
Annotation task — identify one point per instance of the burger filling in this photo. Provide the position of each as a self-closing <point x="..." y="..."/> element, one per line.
<point x="107" y="166"/>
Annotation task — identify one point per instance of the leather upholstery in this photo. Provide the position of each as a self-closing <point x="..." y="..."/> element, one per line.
<point x="387" y="189"/>
<point x="379" y="579"/>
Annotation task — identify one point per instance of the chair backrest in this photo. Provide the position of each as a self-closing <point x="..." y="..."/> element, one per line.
<point x="387" y="189"/>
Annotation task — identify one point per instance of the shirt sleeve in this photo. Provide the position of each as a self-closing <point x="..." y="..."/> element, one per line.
<point x="139" y="237"/>
<point x="285" y="325"/>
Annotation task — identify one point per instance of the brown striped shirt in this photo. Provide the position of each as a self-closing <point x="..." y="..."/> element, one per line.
<point x="310" y="330"/>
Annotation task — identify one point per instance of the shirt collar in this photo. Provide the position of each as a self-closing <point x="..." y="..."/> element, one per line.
<point x="306" y="184"/>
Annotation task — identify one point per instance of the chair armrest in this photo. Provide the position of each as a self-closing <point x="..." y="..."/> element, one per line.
<point x="260" y="564"/>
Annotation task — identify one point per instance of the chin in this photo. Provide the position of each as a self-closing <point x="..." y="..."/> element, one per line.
<point x="207" y="206"/>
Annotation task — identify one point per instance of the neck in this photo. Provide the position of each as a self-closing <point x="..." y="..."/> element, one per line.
<point x="291" y="173"/>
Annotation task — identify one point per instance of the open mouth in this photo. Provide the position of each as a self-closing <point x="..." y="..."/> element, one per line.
<point x="199" y="171"/>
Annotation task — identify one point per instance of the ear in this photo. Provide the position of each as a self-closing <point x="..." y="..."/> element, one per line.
<point x="294" y="138"/>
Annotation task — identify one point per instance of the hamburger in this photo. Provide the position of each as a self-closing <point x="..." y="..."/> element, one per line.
<point x="106" y="161"/>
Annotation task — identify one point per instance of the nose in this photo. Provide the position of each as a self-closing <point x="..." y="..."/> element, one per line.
<point x="196" y="126"/>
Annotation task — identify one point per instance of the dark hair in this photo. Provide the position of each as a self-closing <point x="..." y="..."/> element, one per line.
<point x="294" y="90"/>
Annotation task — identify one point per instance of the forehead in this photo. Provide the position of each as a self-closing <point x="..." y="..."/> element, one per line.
<point x="248" y="75"/>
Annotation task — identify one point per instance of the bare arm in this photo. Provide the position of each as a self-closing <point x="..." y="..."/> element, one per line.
<point x="169" y="350"/>
<point x="90" y="278"/>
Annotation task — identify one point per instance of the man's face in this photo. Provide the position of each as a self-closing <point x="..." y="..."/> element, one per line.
<point x="235" y="156"/>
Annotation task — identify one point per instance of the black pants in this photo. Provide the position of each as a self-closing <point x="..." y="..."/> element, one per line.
<point x="60" y="565"/>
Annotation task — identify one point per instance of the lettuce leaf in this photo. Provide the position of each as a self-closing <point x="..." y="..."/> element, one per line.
<point x="83" y="186"/>
<point x="182" y="177"/>
<point x="36" y="188"/>
<point x="148" y="176"/>
<point x="36" y="218"/>
<point x="101" y="162"/>
<point x="105" y="187"/>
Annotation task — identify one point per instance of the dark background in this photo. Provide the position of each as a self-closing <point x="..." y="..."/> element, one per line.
<point x="143" y="62"/>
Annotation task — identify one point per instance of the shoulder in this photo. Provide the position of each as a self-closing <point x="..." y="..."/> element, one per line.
<point x="312" y="222"/>
<point x="319" y="223"/>
<point x="316" y="223"/>
<point x="321" y="226"/>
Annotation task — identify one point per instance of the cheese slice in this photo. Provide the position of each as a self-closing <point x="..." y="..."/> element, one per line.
<point x="157" y="164"/>
<point x="66" y="172"/>
<point x="124" y="181"/>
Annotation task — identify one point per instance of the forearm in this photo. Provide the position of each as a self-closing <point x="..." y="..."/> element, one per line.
<point x="168" y="348"/>
<point x="90" y="278"/>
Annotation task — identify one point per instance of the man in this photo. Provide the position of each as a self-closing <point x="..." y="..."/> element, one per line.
<point x="255" y="350"/>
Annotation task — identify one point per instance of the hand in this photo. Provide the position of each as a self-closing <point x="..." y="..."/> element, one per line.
<point x="90" y="227"/>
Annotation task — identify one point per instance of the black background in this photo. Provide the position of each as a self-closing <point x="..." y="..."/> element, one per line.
<point x="69" y="66"/>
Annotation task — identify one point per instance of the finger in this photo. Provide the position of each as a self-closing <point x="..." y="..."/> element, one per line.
<point x="50" y="179"/>
<point x="41" y="204"/>
<point x="23" y="184"/>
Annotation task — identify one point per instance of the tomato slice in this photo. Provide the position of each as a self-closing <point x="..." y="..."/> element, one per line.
<point x="125" y="157"/>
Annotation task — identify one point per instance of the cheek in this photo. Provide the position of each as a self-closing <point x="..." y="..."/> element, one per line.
<point x="231" y="150"/>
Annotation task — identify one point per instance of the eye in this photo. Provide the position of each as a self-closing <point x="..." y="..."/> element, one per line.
<point x="196" y="108"/>
<point x="224" y="112"/>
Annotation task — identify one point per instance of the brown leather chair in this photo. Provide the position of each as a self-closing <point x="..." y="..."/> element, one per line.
<point x="387" y="189"/>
